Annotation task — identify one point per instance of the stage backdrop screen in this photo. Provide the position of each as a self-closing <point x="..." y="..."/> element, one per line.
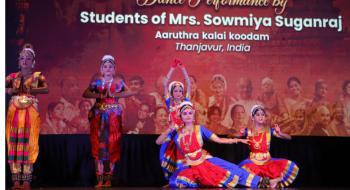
<point x="291" y="56"/>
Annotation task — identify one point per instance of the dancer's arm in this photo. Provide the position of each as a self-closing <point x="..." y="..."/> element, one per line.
<point x="124" y="94"/>
<point x="187" y="78"/>
<point x="168" y="76"/>
<point x="162" y="137"/>
<point x="228" y="140"/>
<point x="88" y="93"/>
<point x="11" y="91"/>
<point x="280" y="134"/>
<point x="43" y="89"/>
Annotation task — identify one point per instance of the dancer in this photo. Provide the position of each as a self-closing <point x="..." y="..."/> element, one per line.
<point x="105" y="119"/>
<point x="23" y="119"/>
<point x="260" y="161"/>
<point x="174" y="92"/>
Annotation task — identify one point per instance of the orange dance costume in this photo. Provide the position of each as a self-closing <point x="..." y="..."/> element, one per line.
<point x="23" y="125"/>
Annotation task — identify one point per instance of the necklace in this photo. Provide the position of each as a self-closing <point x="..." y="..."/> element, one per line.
<point x="176" y="102"/>
<point x="108" y="82"/>
<point x="257" y="131"/>
<point x="257" y="144"/>
<point x="188" y="143"/>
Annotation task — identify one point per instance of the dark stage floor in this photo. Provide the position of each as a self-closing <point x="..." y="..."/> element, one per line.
<point x="159" y="188"/>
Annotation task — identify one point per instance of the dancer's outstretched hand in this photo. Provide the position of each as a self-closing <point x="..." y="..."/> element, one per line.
<point x="244" y="141"/>
<point x="175" y="63"/>
<point x="180" y="64"/>
<point x="277" y="129"/>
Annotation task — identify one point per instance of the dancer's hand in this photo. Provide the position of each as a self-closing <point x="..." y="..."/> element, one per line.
<point x="180" y="64"/>
<point x="12" y="91"/>
<point x="109" y="93"/>
<point x="274" y="182"/>
<point x="277" y="129"/>
<point x="244" y="141"/>
<point x="241" y="130"/>
<point x="280" y="134"/>
<point x="104" y="94"/>
<point x="175" y="63"/>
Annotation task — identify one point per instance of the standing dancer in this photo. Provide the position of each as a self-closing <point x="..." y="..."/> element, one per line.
<point x="23" y="119"/>
<point x="105" y="120"/>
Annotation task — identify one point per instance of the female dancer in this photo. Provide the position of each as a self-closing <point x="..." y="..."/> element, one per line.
<point x="105" y="119"/>
<point x="260" y="161"/>
<point x="189" y="165"/>
<point x="23" y="120"/>
<point x="174" y="93"/>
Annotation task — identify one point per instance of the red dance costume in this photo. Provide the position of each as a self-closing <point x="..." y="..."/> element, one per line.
<point x="186" y="164"/>
<point x="261" y="163"/>
<point x="105" y="123"/>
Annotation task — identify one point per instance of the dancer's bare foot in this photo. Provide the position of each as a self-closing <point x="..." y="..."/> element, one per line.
<point x="108" y="183"/>
<point x="16" y="185"/>
<point x="26" y="185"/>
<point x="99" y="181"/>
<point x="274" y="182"/>
<point x="99" y="184"/>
